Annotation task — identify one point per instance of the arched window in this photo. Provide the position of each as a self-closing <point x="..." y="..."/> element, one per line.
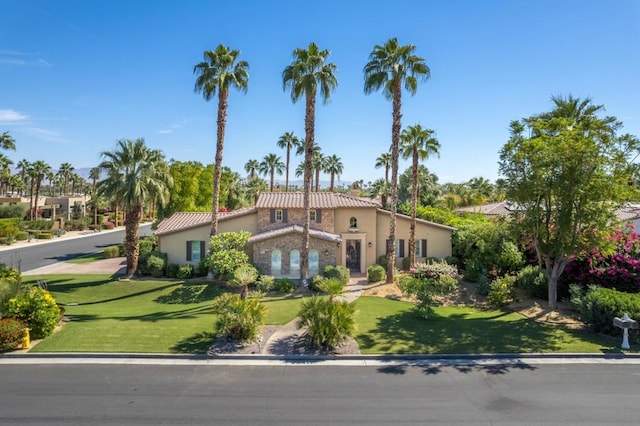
<point x="276" y="261"/>
<point x="353" y="222"/>
<point x="294" y="260"/>
<point x="313" y="261"/>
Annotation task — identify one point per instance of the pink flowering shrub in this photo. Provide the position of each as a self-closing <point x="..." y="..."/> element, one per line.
<point x="618" y="268"/>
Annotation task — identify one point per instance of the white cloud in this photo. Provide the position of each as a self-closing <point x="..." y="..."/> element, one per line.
<point x="9" y="115"/>
<point x="48" y="135"/>
<point x="12" y="61"/>
<point x="169" y="130"/>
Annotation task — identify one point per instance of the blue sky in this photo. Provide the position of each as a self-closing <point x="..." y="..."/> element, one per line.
<point x="76" y="76"/>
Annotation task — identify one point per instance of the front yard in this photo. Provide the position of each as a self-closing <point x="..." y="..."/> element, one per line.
<point x="176" y="317"/>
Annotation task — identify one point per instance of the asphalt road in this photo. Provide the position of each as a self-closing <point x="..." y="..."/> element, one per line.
<point x="575" y="394"/>
<point x="26" y="258"/>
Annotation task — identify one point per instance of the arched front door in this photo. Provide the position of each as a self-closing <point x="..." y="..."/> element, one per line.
<point x="353" y="255"/>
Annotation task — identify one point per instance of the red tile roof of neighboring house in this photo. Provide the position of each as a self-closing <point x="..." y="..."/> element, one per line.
<point x="266" y="235"/>
<point x="186" y="220"/>
<point x="317" y="200"/>
<point x="491" y="209"/>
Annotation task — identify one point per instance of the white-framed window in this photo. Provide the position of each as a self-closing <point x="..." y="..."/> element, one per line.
<point x="353" y="222"/>
<point x="276" y="260"/>
<point x="314" y="259"/>
<point x="195" y="251"/>
<point x="294" y="260"/>
<point x="418" y="248"/>
<point x="312" y="215"/>
<point x="278" y="215"/>
<point x="399" y="248"/>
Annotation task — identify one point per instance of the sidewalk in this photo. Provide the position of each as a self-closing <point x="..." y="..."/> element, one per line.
<point x="70" y="235"/>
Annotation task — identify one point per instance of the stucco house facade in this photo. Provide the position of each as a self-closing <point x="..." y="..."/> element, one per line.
<point x="345" y="230"/>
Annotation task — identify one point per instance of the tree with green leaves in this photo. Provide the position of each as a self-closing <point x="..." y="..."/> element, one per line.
<point x="23" y="170"/>
<point x="65" y="171"/>
<point x="288" y="141"/>
<point x="5" y="172"/>
<point x="270" y="165"/>
<point x="252" y="167"/>
<point x="566" y="170"/>
<point x="308" y="74"/>
<point x="135" y="175"/>
<point x="39" y="170"/>
<point x="220" y="71"/>
<point x="390" y="68"/>
<point x="333" y="165"/>
<point x="318" y="163"/>
<point x="418" y="144"/>
<point x="7" y="142"/>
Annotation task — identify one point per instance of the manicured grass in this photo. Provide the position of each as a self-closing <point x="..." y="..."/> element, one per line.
<point x="141" y="316"/>
<point x="88" y="258"/>
<point x="388" y="326"/>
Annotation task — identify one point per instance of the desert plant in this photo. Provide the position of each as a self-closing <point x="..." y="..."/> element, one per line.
<point x="315" y="281"/>
<point x="239" y="319"/>
<point x="11" y="333"/>
<point x="376" y="273"/>
<point x="331" y="286"/>
<point x="243" y="277"/>
<point x="37" y="309"/>
<point x="265" y="283"/>
<point x="328" y="321"/>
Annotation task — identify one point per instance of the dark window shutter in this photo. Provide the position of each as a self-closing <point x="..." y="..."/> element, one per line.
<point x="401" y="243"/>
<point x="284" y="216"/>
<point x="318" y="216"/>
<point x="272" y="215"/>
<point x="202" y="248"/>
<point x="424" y="248"/>
<point x="188" y="251"/>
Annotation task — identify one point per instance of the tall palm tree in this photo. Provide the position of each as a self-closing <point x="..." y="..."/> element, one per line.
<point x="220" y="71"/>
<point x="318" y="163"/>
<point x="384" y="160"/>
<point x="307" y="74"/>
<point x="270" y="165"/>
<point x="333" y="165"/>
<point x="390" y="67"/>
<point x="39" y="170"/>
<point x="135" y="175"/>
<point x="5" y="173"/>
<point x="23" y="166"/>
<point x="51" y="177"/>
<point x="65" y="171"/>
<point x="288" y="141"/>
<point x="417" y="143"/>
<point x="94" y="175"/>
<point x="7" y="142"/>
<point x="252" y="167"/>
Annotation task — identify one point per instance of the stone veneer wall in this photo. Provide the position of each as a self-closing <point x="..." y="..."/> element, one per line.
<point x="296" y="216"/>
<point x="286" y="243"/>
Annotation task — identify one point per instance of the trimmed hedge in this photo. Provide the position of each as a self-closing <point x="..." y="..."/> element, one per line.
<point x="112" y="251"/>
<point x="338" y="271"/>
<point x="45" y="236"/>
<point x="376" y="273"/>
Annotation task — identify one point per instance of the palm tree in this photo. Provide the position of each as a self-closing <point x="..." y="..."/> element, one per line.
<point x="384" y="160"/>
<point x="135" y="175"/>
<point x="288" y="141"/>
<point x="39" y="170"/>
<point x="23" y="166"/>
<point x="7" y="142"/>
<point x="5" y="173"/>
<point x="254" y="187"/>
<point x="51" y="177"/>
<point x="390" y="67"/>
<point x="318" y="163"/>
<point x="15" y="184"/>
<point x="94" y="175"/>
<point x="219" y="71"/>
<point x="308" y="73"/>
<point x="270" y="165"/>
<point x="333" y="166"/>
<point x="417" y="143"/>
<point x="65" y="171"/>
<point x="252" y="167"/>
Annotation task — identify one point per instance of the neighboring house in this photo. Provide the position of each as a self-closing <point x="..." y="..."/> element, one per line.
<point x="345" y="230"/>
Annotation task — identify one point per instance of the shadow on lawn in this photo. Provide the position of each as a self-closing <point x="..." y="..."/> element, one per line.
<point x="196" y="344"/>
<point x="190" y="293"/>
<point x="406" y="333"/>
<point x="65" y="285"/>
<point x="186" y="313"/>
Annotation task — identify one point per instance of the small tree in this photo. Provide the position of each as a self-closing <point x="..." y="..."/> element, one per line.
<point x="242" y="277"/>
<point x="425" y="280"/>
<point x="227" y="253"/>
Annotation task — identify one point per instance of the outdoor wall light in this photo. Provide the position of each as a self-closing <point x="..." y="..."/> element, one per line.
<point x="326" y="252"/>
<point x="370" y="244"/>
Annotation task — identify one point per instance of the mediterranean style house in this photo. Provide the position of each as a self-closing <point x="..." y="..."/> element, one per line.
<point x="345" y="230"/>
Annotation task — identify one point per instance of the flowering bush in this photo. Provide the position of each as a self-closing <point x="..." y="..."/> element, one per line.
<point x="616" y="266"/>
<point x="36" y="308"/>
<point x="424" y="280"/>
<point x="11" y="332"/>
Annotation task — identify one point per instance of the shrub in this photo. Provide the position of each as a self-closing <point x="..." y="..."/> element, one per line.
<point x="77" y="224"/>
<point x="383" y="261"/>
<point x="147" y="245"/>
<point x="597" y="306"/>
<point x="203" y="268"/>
<point x="45" y="236"/>
<point x="22" y="236"/>
<point x="13" y="211"/>
<point x="425" y="280"/>
<point x="155" y="265"/>
<point x="8" y="231"/>
<point x="10" y="287"/>
<point x="315" y="282"/>
<point x="172" y="270"/>
<point x="227" y="252"/>
<point x="284" y="285"/>
<point x="483" y="284"/>
<point x="510" y="258"/>
<point x="143" y="262"/>
<point x="40" y="224"/>
<point x="501" y="291"/>
<point x="108" y="225"/>
<point x="37" y="309"/>
<point x="376" y="273"/>
<point x="338" y="271"/>
<point x="11" y="332"/>
<point x="239" y="319"/>
<point x="474" y="270"/>
<point x="406" y="263"/>
<point x="111" y="252"/>
<point x="328" y="321"/>
<point x="185" y="272"/>
<point x="265" y="283"/>
<point x="533" y="281"/>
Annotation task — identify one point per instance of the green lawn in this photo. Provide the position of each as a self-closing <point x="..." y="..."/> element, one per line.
<point x="391" y="327"/>
<point x="88" y="258"/>
<point x="141" y="316"/>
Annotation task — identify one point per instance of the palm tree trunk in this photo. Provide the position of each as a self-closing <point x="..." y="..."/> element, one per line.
<point x="286" y="184"/>
<point x="273" y="174"/>
<point x="395" y="142"/>
<point x="309" y="129"/>
<point x="317" y="178"/>
<point x="132" y="239"/>
<point x="217" y="168"/>
<point x="332" y="181"/>
<point x="414" y="206"/>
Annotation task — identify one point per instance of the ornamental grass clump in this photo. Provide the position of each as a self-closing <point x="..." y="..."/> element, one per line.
<point x="239" y="319"/>
<point x="423" y="281"/>
<point x="329" y="322"/>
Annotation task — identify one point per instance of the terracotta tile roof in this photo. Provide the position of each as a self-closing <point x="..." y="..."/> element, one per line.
<point x="491" y="209"/>
<point x="314" y="233"/>
<point x="418" y="220"/>
<point x="186" y="220"/>
<point x="317" y="200"/>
